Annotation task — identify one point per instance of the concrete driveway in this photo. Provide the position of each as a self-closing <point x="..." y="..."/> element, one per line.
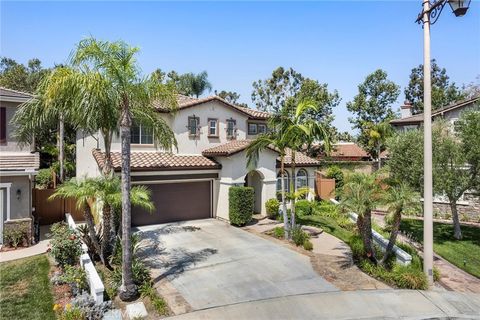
<point x="211" y="264"/>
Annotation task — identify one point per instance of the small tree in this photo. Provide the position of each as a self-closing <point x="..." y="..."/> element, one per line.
<point x="241" y="205"/>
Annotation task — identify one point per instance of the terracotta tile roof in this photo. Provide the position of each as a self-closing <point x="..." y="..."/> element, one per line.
<point x="8" y="94"/>
<point x="348" y="150"/>
<point x="235" y="146"/>
<point x="19" y="161"/>
<point x="187" y="102"/>
<point x="418" y="118"/>
<point x="301" y="160"/>
<point x="158" y="161"/>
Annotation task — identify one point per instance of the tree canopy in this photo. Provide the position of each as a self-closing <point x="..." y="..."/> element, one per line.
<point x="444" y="92"/>
<point x="21" y="77"/>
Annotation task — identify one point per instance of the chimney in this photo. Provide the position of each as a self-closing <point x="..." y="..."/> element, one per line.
<point x="406" y="109"/>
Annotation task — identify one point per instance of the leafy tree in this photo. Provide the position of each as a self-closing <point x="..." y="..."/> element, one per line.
<point x="378" y="135"/>
<point x="231" y="96"/>
<point x="371" y="106"/>
<point x="17" y="76"/>
<point x="361" y="194"/>
<point x="472" y="89"/>
<point x="443" y="91"/>
<point x="398" y="198"/>
<point x="115" y="62"/>
<point x="343" y="136"/>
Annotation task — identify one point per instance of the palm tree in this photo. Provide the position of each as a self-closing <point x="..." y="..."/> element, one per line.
<point x="378" y="135"/>
<point x="195" y="84"/>
<point x="278" y="142"/>
<point x="300" y="131"/>
<point x="83" y="191"/>
<point x="108" y="191"/>
<point x="398" y="198"/>
<point x="133" y="96"/>
<point x="361" y="194"/>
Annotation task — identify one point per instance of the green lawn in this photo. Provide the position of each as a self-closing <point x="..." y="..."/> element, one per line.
<point x="445" y="245"/>
<point x="25" y="289"/>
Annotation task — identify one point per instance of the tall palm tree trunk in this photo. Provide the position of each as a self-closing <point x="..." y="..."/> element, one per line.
<point x="397" y="218"/>
<point x="107" y="237"/>
<point x="107" y="141"/>
<point x="293" y="184"/>
<point x="128" y="290"/>
<point x="364" y="224"/>
<point x="286" y="225"/>
<point x="457" y="231"/>
<point x="61" y="138"/>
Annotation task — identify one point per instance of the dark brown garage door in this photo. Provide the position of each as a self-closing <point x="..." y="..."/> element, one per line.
<point x="175" y="202"/>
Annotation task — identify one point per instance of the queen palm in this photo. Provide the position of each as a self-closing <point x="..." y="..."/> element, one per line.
<point x="378" y="135"/>
<point x="398" y="198"/>
<point x="131" y="95"/>
<point x="195" y="84"/>
<point x="361" y="194"/>
<point x="299" y="131"/>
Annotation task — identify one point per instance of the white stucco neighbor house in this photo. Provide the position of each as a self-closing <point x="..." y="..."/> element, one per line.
<point x="193" y="181"/>
<point x="18" y="166"/>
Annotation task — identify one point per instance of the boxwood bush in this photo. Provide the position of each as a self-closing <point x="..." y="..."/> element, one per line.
<point x="272" y="206"/>
<point x="241" y="204"/>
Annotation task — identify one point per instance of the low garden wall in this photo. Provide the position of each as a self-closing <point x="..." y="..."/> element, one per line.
<point x="94" y="281"/>
<point x="402" y="257"/>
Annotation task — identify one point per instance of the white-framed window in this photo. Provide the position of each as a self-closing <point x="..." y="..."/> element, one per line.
<point x="279" y="184"/>
<point x="256" y="128"/>
<point x="141" y="134"/>
<point x="213" y="127"/>
<point x="231" y="128"/>
<point x="193" y="126"/>
<point x="302" y="178"/>
<point x="261" y="128"/>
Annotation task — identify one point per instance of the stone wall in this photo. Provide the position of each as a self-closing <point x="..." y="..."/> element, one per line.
<point x="20" y="224"/>
<point x="468" y="210"/>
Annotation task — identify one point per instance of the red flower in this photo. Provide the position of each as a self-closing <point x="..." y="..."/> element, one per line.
<point x="72" y="237"/>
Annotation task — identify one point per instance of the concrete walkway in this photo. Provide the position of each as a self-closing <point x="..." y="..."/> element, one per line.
<point x="451" y="277"/>
<point x="373" y="304"/>
<point x="39" y="248"/>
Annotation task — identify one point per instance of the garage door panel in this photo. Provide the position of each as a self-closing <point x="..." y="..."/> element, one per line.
<point x="175" y="202"/>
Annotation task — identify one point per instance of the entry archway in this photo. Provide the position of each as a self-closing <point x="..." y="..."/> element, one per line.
<point x="254" y="179"/>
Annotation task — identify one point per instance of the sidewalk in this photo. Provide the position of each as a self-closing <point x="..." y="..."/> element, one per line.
<point x="36" y="249"/>
<point x="370" y="304"/>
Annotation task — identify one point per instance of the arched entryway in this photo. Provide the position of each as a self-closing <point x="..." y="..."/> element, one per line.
<point x="254" y="179"/>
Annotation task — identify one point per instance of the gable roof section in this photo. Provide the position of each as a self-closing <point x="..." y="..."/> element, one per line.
<point x="236" y="146"/>
<point x="144" y="161"/>
<point x="348" y="150"/>
<point x="19" y="161"/>
<point x="185" y="102"/>
<point x="14" y="95"/>
<point x="418" y="118"/>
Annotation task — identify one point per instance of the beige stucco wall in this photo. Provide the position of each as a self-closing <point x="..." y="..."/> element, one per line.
<point x="11" y="145"/>
<point x="19" y="207"/>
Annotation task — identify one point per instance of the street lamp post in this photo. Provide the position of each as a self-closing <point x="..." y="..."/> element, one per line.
<point x="428" y="16"/>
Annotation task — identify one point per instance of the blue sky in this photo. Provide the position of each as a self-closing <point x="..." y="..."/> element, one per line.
<point x="338" y="43"/>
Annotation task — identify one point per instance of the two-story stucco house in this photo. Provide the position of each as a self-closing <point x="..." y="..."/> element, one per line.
<point x="18" y="166"/>
<point x="193" y="181"/>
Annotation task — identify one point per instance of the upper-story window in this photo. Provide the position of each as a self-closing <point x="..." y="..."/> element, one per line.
<point x="142" y="134"/>
<point x="3" y="125"/>
<point x="256" y="128"/>
<point x="193" y="126"/>
<point x="231" y="128"/>
<point x="213" y="127"/>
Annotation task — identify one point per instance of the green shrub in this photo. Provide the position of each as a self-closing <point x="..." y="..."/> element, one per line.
<point x="279" y="232"/>
<point x="241" y="204"/>
<point x="334" y="172"/>
<point x="272" y="206"/>
<point x="140" y="272"/>
<point x="15" y="235"/>
<point x="299" y="236"/>
<point x="308" y="245"/>
<point x="66" y="246"/>
<point x="147" y="290"/>
<point x="44" y="178"/>
<point x="326" y="209"/>
<point x="409" y="277"/>
<point x="356" y="245"/>
<point x="74" y="276"/>
<point x="303" y="207"/>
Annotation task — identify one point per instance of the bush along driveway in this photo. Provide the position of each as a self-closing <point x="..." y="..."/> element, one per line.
<point x="210" y="263"/>
<point x="25" y="289"/>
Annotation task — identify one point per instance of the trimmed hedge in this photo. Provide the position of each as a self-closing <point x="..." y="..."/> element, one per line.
<point x="303" y="207"/>
<point x="272" y="206"/>
<point x="241" y="205"/>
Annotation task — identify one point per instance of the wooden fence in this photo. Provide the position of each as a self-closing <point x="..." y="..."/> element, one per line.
<point x="50" y="211"/>
<point x="325" y="187"/>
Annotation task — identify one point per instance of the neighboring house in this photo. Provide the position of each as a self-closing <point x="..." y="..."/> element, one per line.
<point x="193" y="181"/>
<point x="18" y="166"/>
<point x="451" y="113"/>
<point x="469" y="203"/>
<point x="349" y="156"/>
